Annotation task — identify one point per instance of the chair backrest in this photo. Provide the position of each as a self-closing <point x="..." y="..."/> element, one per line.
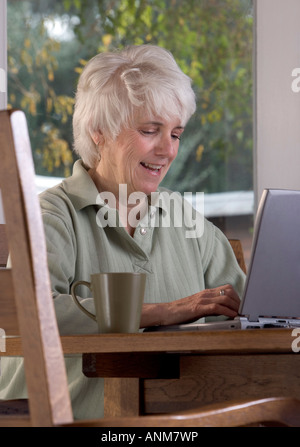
<point x="237" y="247"/>
<point x="25" y="293"/>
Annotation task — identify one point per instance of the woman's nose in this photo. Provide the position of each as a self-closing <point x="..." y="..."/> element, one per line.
<point x="167" y="147"/>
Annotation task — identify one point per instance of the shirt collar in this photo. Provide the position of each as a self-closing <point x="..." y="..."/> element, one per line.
<point x="80" y="187"/>
<point x="83" y="192"/>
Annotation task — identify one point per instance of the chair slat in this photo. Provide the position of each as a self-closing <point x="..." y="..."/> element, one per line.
<point x="8" y="314"/>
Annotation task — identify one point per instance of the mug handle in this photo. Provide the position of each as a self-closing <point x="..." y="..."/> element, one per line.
<point x="73" y="287"/>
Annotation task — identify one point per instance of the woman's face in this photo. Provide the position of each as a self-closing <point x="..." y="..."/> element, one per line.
<point x="140" y="156"/>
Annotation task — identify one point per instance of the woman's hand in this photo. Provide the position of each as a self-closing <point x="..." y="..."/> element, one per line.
<point x="210" y="302"/>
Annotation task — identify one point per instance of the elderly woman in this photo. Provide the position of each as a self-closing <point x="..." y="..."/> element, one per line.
<point x="131" y="109"/>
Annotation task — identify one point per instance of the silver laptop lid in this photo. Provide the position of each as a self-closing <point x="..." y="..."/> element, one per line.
<point x="272" y="287"/>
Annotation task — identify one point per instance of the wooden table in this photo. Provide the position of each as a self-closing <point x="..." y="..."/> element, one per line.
<point x="153" y="373"/>
<point x="164" y="372"/>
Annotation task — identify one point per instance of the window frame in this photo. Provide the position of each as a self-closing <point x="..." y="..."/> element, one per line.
<point x="276" y="111"/>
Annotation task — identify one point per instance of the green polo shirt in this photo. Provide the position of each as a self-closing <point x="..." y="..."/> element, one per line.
<point x="78" y="245"/>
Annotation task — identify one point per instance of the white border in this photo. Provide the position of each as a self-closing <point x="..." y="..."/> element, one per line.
<point x="3" y="51"/>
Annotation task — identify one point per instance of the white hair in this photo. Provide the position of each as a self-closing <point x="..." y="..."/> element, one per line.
<point x="114" y="86"/>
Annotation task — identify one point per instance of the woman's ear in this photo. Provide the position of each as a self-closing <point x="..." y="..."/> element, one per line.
<point x="97" y="137"/>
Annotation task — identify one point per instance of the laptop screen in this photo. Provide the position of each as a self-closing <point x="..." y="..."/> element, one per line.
<point x="272" y="287"/>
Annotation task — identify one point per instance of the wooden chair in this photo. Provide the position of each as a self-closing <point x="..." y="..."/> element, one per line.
<point x="239" y="254"/>
<point x="26" y="305"/>
<point x="3" y="246"/>
<point x="27" y="311"/>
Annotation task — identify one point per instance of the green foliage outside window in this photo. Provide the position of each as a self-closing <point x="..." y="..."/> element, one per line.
<point x="50" y="41"/>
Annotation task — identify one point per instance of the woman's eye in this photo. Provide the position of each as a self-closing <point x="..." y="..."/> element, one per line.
<point x="154" y="132"/>
<point x="147" y="132"/>
<point x="176" y="137"/>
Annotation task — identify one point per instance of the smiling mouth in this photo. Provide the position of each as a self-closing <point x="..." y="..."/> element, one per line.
<point x="151" y="167"/>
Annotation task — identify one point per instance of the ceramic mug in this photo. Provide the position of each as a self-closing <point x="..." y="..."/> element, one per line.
<point x="118" y="299"/>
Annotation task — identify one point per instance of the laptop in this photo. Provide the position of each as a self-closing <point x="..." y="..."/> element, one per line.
<point x="271" y="296"/>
